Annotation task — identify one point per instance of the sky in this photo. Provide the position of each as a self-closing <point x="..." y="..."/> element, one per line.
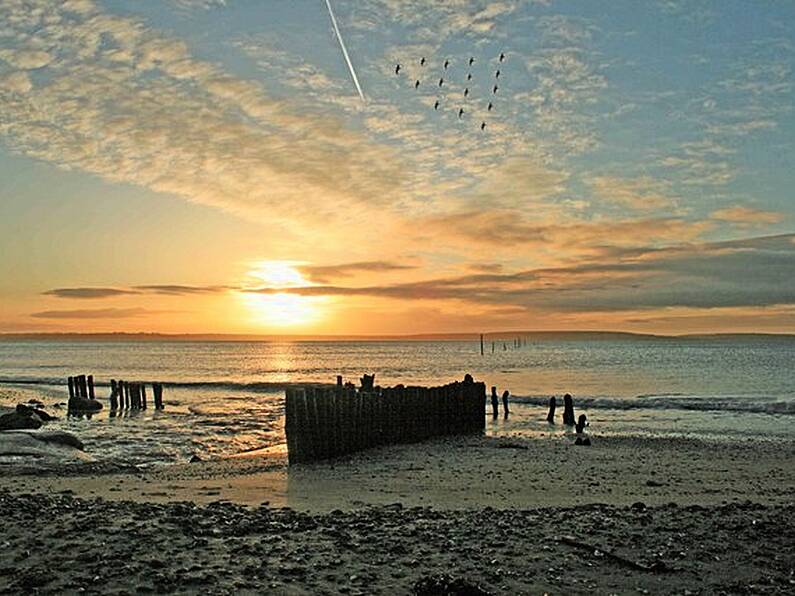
<point x="208" y="166"/>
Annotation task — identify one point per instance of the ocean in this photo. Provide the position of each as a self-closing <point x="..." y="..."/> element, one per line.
<point x="226" y="398"/>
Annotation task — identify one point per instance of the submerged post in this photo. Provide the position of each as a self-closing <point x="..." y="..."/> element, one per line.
<point x="71" y="383"/>
<point x="481" y="344"/>
<point x="90" y="386"/>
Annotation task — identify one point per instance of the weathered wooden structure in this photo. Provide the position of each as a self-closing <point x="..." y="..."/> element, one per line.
<point x="132" y="396"/>
<point x="123" y="395"/>
<point x="325" y="421"/>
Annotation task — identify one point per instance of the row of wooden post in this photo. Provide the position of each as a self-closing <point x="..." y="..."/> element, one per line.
<point x="132" y="396"/>
<point x="81" y="386"/>
<point x="325" y="421"/>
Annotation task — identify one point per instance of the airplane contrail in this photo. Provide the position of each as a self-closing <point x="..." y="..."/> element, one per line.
<point x="344" y="50"/>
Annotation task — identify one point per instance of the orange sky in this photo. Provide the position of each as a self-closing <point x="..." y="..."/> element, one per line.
<point x="209" y="167"/>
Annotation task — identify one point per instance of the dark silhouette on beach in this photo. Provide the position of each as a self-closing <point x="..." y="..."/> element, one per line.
<point x="568" y="410"/>
<point x="494" y="403"/>
<point x="505" y="395"/>
<point x="552" y="406"/>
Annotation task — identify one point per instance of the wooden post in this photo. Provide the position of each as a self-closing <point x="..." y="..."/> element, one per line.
<point x="90" y="386"/>
<point x="83" y="386"/>
<point x="71" y="383"/>
<point x="551" y="414"/>
<point x="114" y="402"/>
<point x="481" y="344"/>
<point x="290" y="426"/>
<point x="568" y="410"/>
<point x="157" y="389"/>
<point x="143" y="396"/>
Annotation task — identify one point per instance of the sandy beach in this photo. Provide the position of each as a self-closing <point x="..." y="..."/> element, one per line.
<point x="512" y="515"/>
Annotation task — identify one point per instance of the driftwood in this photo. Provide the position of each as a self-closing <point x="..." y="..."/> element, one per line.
<point x="656" y="567"/>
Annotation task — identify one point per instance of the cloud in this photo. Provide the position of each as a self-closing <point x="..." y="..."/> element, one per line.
<point x="747" y="216"/>
<point x="754" y="272"/>
<point x="640" y="194"/>
<point x="89" y="293"/>
<point x="165" y="289"/>
<point x="514" y="228"/>
<point x="26" y="59"/>
<point x="15" y="82"/>
<point x="322" y="273"/>
<point x="129" y="104"/>
<point x="182" y="290"/>
<point x="95" y="313"/>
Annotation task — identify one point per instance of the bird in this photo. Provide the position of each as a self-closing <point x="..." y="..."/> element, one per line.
<point x="471" y="61"/>
<point x="502" y="57"/>
<point x="397" y="69"/>
<point x="441" y="82"/>
<point x="460" y="113"/>
<point x="422" y="61"/>
<point x="491" y="105"/>
<point x="497" y="74"/>
<point x="416" y="84"/>
<point x="436" y="105"/>
<point x="494" y="90"/>
<point x="482" y="125"/>
<point x="466" y="91"/>
<point x="446" y="64"/>
<point x="469" y="76"/>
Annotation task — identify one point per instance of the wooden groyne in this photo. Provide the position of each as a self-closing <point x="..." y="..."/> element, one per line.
<point x="323" y="421"/>
<point x="123" y="395"/>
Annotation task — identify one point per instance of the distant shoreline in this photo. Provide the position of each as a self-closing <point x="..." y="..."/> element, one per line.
<point x="488" y="336"/>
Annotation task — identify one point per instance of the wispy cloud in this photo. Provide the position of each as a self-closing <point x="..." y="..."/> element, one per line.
<point x="323" y="273"/>
<point x="89" y="293"/>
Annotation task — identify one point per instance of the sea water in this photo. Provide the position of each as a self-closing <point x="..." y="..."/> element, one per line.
<point x="224" y="398"/>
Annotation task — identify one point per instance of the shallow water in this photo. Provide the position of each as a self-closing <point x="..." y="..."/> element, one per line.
<point x="227" y="397"/>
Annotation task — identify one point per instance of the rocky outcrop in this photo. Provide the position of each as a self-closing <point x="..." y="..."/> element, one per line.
<point x="45" y="446"/>
<point x="24" y="418"/>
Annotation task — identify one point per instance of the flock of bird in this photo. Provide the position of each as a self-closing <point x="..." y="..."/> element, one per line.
<point x="442" y="81"/>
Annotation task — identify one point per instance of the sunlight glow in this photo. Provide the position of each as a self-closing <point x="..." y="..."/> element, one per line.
<point x="281" y="309"/>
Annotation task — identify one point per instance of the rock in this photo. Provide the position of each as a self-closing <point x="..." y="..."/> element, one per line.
<point x="42" y="446"/>
<point x="638" y="506"/>
<point x="195" y="458"/>
<point x="654" y="483"/>
<point x="83" y="404"/>
<point x="23" y="418"/>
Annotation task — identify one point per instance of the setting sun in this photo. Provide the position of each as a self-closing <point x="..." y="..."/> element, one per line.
<point x="281" y="309"/>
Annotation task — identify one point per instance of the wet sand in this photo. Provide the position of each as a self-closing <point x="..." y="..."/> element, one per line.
<point x="505" y="513"/>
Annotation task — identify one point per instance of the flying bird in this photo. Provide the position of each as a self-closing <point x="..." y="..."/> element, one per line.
<point x="491" y="105"/>
<point x="436" y="105"/>
<point x="397" y="69"/>
<point x="502" y="57"/>
<point x="497" y="75"/>
<point x="446" y="64"/>
<point x="482" y="126"/>
<point x="422" y="61"/>
<point x="416" y="84"/>
<point x="494" y="90"/>
<point x="466" y="91"/>
<point x="469" y="76"/>
<point x="471" y="61"/>
<point x="441" y="82"/>
<point x="460" y="113"/>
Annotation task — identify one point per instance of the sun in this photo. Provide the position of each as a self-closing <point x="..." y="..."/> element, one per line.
<point x="281" y="309"/>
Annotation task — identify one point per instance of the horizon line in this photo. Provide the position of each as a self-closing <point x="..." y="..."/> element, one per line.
<point x="441" y="336"/>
